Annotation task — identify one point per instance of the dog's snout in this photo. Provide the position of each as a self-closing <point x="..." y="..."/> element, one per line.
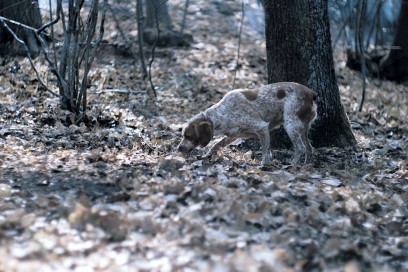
<point x="183" y="147"/>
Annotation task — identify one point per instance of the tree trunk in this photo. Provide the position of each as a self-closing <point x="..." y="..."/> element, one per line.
<point x="157" y="16"/>
<point x="158" y="7"/>
<point x="26" y="12"/>
<point x="395" y="66"/>
<point x="298" y="46"/>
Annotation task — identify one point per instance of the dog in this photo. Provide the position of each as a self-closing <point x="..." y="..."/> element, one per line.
<point x="250" y="113"/>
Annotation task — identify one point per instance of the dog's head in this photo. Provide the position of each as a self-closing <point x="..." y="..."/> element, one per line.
<point x="198" y="131"/>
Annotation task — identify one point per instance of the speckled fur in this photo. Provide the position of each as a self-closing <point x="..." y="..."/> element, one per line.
<point x="250" y="113"/>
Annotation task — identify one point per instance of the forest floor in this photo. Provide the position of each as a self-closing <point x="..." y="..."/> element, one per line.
<point x="114" y="195"/>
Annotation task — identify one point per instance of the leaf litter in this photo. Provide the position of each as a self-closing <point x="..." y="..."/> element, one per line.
<point x="111" y="192"/>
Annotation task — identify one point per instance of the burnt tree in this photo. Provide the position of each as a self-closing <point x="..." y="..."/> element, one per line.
<point x="298" y="46"/>
<point x="26" y="12"/>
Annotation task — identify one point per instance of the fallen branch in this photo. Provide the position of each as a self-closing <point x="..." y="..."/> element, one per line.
<point x="121" y="91"/>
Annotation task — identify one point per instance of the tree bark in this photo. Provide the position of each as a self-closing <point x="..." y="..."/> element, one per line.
<point x="26" y="12"/>
<point x="298" y="46"/>
<point x="395" y="66"/>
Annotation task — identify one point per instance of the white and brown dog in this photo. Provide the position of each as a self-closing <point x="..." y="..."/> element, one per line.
<point x="248" y="113"/>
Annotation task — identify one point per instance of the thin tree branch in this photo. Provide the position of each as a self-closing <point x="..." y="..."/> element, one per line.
<point x="90" y="59"/>
<point x="18" y="24"/>
<point x="52" y="65"/>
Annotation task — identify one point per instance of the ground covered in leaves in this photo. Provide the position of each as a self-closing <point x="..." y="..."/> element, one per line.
<point x="113" y="194"/>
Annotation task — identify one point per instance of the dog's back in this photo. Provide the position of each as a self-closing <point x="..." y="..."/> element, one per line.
<point x="275" y="101"/>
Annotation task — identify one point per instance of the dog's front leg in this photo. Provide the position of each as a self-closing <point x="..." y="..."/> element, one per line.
<point x="220" y="144"/>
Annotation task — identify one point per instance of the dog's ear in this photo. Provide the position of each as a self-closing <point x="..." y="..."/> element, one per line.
<point x="204" y="131"/>
<point x="189" y="132"/>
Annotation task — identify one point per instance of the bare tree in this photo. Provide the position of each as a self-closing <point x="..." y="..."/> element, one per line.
<point x="71" y="61"/>
<point x="298" y="46"/>
<point x="25" y="12"/>
<point x="78" y="52"/>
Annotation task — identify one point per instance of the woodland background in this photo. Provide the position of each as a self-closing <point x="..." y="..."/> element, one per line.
<point x="110" y="192"/>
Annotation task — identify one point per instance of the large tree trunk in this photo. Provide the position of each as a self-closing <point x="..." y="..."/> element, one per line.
<point x="23" y="11"/>
<point x="395" y="66"/>
<point x="298" y="46"/>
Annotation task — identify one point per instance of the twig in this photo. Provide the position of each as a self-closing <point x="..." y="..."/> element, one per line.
<point x="239" y="43"/>
<point x="18" y="23"/>
<point x="50" y="23"/>
<point x="29" y="57"/>
<point x="53" y="67"/>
